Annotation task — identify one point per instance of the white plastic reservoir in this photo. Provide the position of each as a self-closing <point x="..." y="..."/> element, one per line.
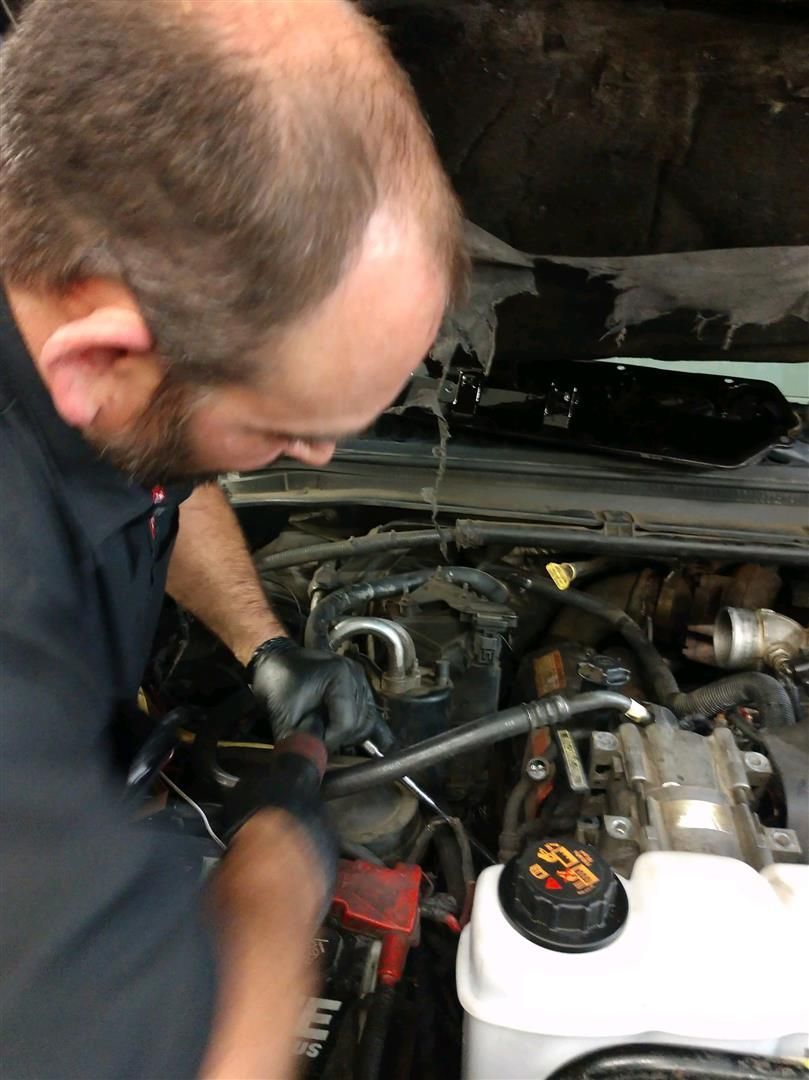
<point x="713" y="953"/>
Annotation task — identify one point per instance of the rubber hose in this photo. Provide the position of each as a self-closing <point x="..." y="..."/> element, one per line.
<point x="486" y="731"/>
<point x="449" y="858"/>
<point x="510" y="834"/>
<point x="793" y="695"/>
<point x="374" y="1037"/>
<point x="423" y="841"/>
<point x="359" y="851"/>
<point x="477" y="580"/>
<point x="754" y="688"/>
<point x="471" y="533"/>
<point x="344" y="600"/>
<point x="742" y="688"/>
<point x="663" y="683"/>
<point x="345" y="549"/>
<point x="465" y="847"/>
<point x="467" y="869"/>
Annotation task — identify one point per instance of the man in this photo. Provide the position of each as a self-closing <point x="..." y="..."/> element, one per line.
<point x="225" y="237"/>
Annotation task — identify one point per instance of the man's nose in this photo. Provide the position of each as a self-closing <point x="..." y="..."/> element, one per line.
<point x="311" y="451"/>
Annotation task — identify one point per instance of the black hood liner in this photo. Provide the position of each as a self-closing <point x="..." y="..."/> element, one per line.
<point x="740" y="303"/>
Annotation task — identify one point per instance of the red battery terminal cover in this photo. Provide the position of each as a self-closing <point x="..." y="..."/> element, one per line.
<point x="381" y="902"/>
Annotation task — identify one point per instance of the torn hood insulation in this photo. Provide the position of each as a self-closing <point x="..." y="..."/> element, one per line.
<point x="743" y="303"/>
<point x="507" y="366"/>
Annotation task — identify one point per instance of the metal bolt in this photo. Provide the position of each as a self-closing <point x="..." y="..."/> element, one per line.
<point x="537" y="769"/>
<point x="756" y="762"/>
<point x="619" y="827"/>
<point x="603" y="740"/>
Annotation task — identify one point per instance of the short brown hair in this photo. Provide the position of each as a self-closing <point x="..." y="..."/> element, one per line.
<point x="228" y="194"/>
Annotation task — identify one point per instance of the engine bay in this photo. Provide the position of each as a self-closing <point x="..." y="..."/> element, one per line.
<point x="618" y="733"/>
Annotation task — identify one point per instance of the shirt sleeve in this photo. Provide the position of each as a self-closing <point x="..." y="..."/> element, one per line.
<point x="108" y="965"/>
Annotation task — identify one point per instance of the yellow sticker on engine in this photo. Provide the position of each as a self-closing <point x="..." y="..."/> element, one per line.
<point x="549" y="673"/>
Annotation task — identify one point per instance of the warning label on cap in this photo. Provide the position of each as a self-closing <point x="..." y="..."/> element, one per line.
<point x="563" y="868"/>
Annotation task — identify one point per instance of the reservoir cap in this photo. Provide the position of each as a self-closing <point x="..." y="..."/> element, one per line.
<point x="563" y="895"/>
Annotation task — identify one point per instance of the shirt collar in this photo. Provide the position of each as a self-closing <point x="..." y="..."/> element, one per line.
<point x="101" y="497"/>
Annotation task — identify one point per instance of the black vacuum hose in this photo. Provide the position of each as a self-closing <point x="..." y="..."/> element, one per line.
<point x="742" y="688"/>
<point x="327" y="550"/>
<point x="518" y="720"/>
<point x="792" y="693"/>
<point x="344" y="600"/>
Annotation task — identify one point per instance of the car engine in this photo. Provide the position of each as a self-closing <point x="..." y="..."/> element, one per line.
<point x="582" y="822"/>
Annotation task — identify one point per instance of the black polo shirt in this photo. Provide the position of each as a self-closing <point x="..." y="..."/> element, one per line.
<point x="106" y="964"/>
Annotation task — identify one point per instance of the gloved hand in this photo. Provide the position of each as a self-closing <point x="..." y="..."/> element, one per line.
<point x="298" y="685"/>
<point x="289" y="781"/>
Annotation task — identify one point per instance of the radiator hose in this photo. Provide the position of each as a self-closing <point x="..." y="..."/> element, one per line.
<point x="518" y="720"/>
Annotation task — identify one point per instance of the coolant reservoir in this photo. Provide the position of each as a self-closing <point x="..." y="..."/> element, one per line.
<point x="561" y="958"/>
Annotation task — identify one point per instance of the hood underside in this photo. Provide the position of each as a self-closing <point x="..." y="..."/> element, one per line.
<point x="751" y="302"/>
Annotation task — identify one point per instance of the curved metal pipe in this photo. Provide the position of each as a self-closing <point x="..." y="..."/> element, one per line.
<point x="402" y="659"/>
<point x="744" y="638"/>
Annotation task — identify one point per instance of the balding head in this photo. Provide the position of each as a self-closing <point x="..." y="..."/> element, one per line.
<point x="223" y="160"/>
<point x="224" y="228"/>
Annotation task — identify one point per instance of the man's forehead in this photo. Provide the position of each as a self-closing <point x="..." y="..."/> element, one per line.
<point x="336" y="368"/>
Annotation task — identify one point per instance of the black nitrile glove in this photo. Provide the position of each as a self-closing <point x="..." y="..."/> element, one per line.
<point x="297" y="684"/>
<point x="289" y="781"/>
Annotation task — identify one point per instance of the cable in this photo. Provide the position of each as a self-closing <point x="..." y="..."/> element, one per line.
<point x="197" y="807"/>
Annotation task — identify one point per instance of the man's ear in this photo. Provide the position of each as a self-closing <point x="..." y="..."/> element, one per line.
<point x="100" y="363"/>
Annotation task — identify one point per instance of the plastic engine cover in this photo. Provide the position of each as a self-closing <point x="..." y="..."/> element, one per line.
<point x="701" y="933"/>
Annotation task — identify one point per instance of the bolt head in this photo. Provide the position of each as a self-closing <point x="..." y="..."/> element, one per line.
<point x="604" y="740"/>
<point x="756" y="762"/>
<point x="537" y="769"/>
<point x="618" y="827"/>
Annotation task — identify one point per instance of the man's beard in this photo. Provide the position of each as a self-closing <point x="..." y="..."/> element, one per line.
<point x="157" y="447"/>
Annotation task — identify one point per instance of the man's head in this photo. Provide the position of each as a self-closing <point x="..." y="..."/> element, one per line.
<point x="224" y="229"/>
